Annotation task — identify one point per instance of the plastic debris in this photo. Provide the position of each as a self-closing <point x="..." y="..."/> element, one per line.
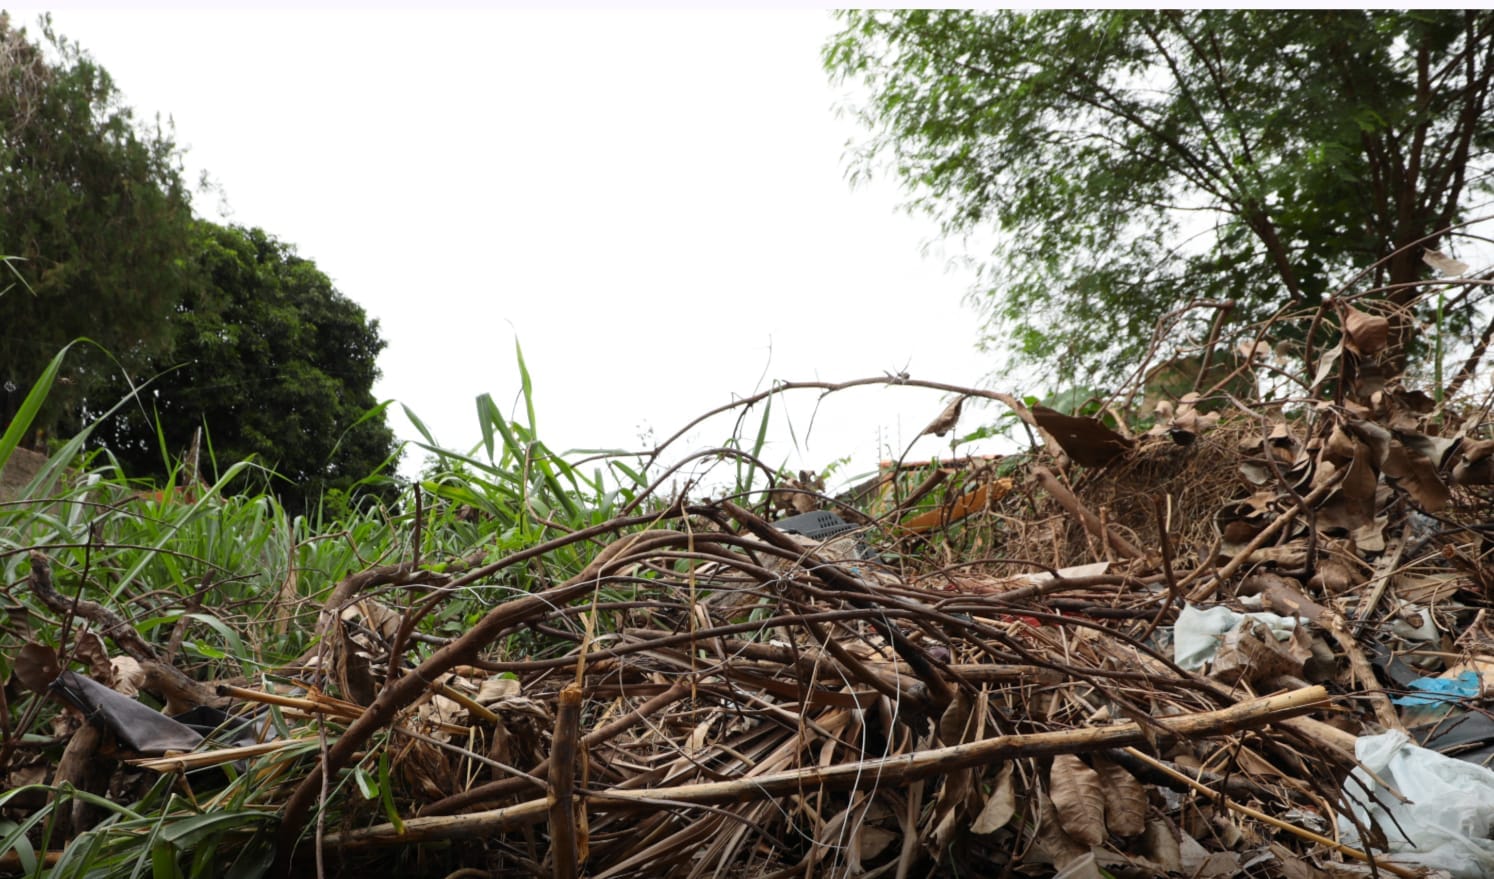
<point x="1446" y="817"/>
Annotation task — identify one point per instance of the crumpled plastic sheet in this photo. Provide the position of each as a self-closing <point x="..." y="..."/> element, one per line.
<point x="1197" y="633"/>
<point x="1450" y="816"/>
<point x="1440" y="691"/>
<point x="140" y="727"/>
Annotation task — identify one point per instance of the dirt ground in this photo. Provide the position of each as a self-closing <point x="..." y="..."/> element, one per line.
<point x="23" y="465"/>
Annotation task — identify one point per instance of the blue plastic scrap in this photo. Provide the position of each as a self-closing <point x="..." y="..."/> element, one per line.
<point x="1437" y="691"/>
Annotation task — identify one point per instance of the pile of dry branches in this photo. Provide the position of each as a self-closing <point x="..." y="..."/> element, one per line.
<point x="990" y="686"/>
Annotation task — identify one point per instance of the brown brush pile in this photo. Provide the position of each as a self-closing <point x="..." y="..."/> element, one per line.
<point x="981" y="680"/>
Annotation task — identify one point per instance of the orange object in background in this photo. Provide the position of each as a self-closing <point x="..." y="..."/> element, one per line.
<point x="970" y="502"/>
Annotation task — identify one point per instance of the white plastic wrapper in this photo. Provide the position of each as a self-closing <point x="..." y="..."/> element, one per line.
<point x="1450" y="816"/>
<point x="1197" y="633"/>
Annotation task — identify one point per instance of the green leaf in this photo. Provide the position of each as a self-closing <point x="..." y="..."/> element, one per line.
<point x="188" y="833"/>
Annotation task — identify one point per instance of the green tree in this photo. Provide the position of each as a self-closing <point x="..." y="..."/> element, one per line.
<point x="275" y="363"/>
<point x="1135" y="161"/>
<point x="95" y="208"/>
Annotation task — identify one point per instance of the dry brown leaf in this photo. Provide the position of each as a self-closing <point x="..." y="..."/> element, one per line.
<point x="90" y="648"/>
<point x="948" y="806"/>
<point x="1079" y="797"/>
<point x="36" y="666"/>
<point x="955" y="720"/>
<point x="1417" y="476"/>
<point x="127" y="674"/>
<point x="1083" y="867"/>
<point x="1293" y="867"/>
<point x="871" y="841"/>
<point x="1429" y="588"/>
<point x="1060" y="848"/>
<point x="1444" y="264"/>
<point x="1352" y="504"/>
<point x="1326" y="365"/>
<point x="946" y="420"/>
<point x="1340" y="447"/>
<point x="1160" y="845"/>
<point x="1475" y="463"/>
<point x="1367" y="333"/>
<point x="1086" y="440"/>
<point x="1125" y="799"/>
<point x="870" y="833"/>
<point x="1434" y="448"/>
<point x="1250" y="651"/>
<point x="1001" y="805"/>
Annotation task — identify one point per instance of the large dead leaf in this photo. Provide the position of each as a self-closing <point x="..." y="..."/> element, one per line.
<point x="1475" y="463"/>
<point x="1432" y="588"/>
<point x="1351" y="505"/>
<point x="871" y="833"/>
<point x="36" y="666"/>
<point x="90" y="649"/>
<point x="1327" y="362"/>
<point x="1160" y="845"/>
<point x="1086" y="440"/>
<point x="1376" y="437"/>
<point x="1000" y="806"/>
<point x="955" y="721"/>
<point x="949" y="806"/>
<point x="1417" y="476"/>
<point x="1050" y="836"/>
<point x="1125" y="799"/>
<point x="946" y="420"/>
<point x="1434" y="448"/>
<point x="1079" y="797"/>
<point x="1443" y="263"/>
<point x="1366" y="333"/>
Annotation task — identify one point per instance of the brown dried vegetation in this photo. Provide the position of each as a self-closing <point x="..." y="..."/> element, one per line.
<point x="980" y="681"/>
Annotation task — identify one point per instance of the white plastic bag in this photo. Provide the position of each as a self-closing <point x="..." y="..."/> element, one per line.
<point x="1197" y="633"/>
<point x="1450" y="816"/>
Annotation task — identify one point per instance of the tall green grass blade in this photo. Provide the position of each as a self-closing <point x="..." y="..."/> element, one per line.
<point x="30" y="406"/>
<point x="189" y="833"/>
<point x="419" y="426"/>
<point x="15" y="840"/>
<point x="487" y="416"/>
<point x="525" y="383"/>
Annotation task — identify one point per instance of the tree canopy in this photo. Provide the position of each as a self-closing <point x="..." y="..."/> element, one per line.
<point x="275" y="362"/>
<point x="234" y="331"/>
<point x="95" y="208"/>
<point x="1132" y="162"/>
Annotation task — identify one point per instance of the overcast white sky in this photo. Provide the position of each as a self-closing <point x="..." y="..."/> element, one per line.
<point x="654" y="203"/>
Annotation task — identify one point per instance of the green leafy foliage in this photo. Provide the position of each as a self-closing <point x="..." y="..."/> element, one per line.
<point x="275" y="363"/>
<point x="94" y="209"/>
<point x="231" y="330"/>
<point x="1137" y="161"/>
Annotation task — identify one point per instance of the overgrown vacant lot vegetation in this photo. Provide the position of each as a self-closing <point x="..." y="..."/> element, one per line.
<point x="533" y="663"/>
<point x="1225" y="612"/>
